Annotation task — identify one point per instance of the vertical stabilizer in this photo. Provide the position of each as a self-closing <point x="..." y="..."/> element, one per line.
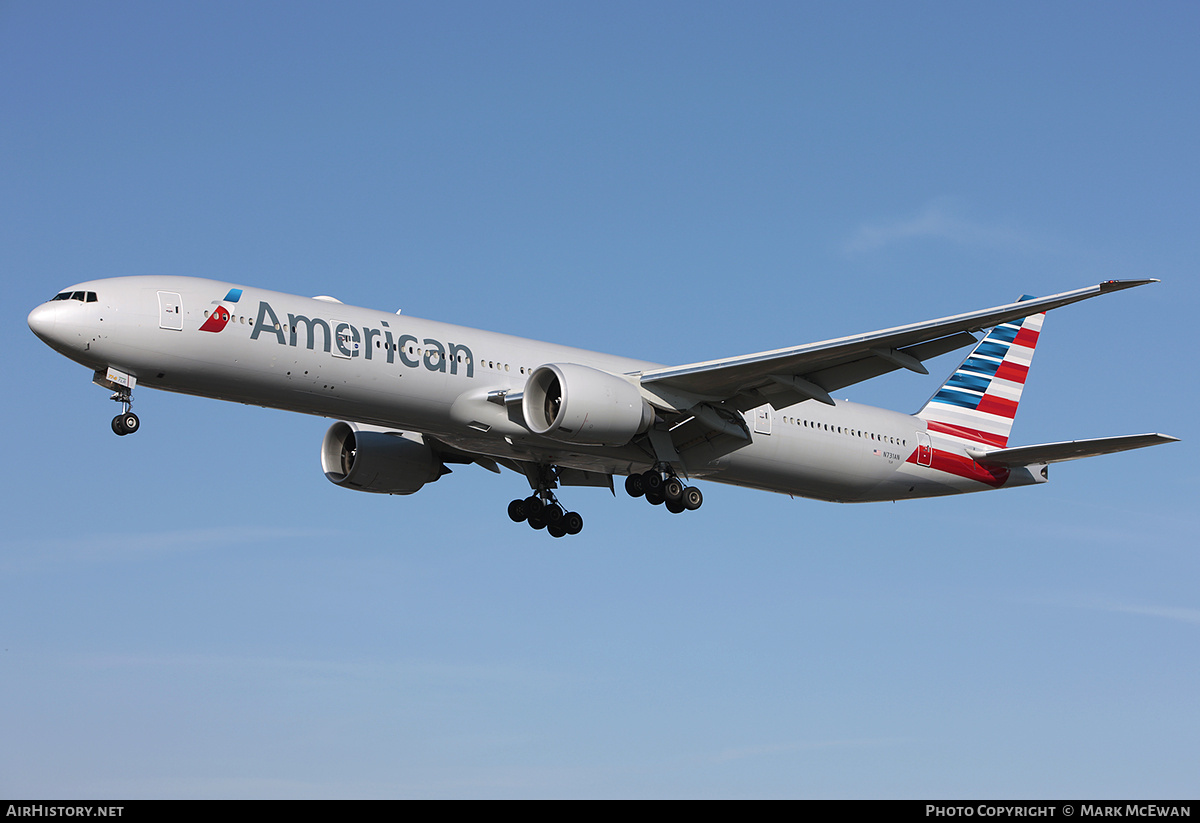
<point x="977" y="404"/>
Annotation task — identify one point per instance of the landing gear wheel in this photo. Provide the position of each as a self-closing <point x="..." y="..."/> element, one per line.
<point x="652" y="481"/>
<point x="552" y="513"/>
<point x="654" y="499"/>
<point x="692" y="498"/>
<point x="533" y="506"/>
<point x="125" y="423"/>
<point x="516" y="511"/>
<point x="672" y="489"/>
<point x="556" y="530"/>
<point x="572" y="523"/>
<point x="634" y="485"/>
<point x="675" y="506"/>
<point x="537" y="522"/>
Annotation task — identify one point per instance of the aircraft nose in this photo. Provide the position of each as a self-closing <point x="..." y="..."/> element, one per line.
<point x="42" y="321"/>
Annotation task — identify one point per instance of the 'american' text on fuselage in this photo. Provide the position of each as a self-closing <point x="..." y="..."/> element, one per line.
<point x="350" y="340"/>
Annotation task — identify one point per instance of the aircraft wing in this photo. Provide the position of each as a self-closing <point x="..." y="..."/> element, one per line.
<point x="786" y="376"/>
<point x="1068" y="450"/>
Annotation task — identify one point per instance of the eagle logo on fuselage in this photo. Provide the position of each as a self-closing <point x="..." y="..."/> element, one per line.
<point x="220" y="315"/>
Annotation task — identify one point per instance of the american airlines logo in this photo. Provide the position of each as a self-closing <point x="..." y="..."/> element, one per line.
<point x="220" y="315"/>
<point x="343" y="339"/>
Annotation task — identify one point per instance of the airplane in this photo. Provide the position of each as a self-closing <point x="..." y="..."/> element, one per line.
<point x="411" y="396"/>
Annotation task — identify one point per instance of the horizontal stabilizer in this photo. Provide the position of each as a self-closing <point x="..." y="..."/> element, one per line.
<point x="1068" y="450"/>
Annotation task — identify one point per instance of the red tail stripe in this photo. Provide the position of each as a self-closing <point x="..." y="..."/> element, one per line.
<point x="999" y="406"/>
<point x="1027" y="338"/>
<point x="1014" y="372"/>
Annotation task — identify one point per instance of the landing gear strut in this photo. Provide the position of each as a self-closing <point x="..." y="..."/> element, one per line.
<point x="541" y="510"/>
<point x="660" y="487"/>
<point x="126" y="422"/>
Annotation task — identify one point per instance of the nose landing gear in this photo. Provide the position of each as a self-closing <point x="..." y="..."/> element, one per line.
<point x="122" y="383"/>
<point x="126" y="422"/>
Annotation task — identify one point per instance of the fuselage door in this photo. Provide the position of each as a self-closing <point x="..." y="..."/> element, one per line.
<point x="170" y="311"/>
<point x="762" y="420"/>
<point x="924" y="449"/>
<point x="346" y="339"/>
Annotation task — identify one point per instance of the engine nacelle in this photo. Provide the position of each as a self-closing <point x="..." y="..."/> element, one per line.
<point x="371" y="460"/>
<point x="579" y="404"/>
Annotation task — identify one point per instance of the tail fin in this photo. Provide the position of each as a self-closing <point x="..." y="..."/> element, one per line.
<point x="977" y="404"/>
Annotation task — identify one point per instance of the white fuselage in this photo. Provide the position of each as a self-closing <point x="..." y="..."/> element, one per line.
<point x="321" y="357"/>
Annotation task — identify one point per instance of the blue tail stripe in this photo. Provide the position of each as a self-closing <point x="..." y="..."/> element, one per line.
<point x="969" y="381"/>
<point x="957" y="398"/>
<point x="978" y="364"/>
<point x="989" y="348"/>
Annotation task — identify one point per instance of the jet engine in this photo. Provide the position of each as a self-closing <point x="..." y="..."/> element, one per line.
<point x="368" y="459"/>
<point x="579" y="404"/>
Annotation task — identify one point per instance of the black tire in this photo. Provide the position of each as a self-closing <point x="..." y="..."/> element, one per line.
<point x="573" y="523"/>
<point x="533" y="506"/>
<point x="672" y="488"/>
<point x="692" y="498"/>
<point x="536" y="522"/>
<point x="655" y="499"/>
<point x="556" y="530"/>
<point x="652" y="481"/>
<point x="634" y="486"/>
<point x="118" y="425"/>
<point x="130" y="422"/>
<point x="675" y="507"/>
<point x="552" y="514"/>
<point x="516" y="511"/>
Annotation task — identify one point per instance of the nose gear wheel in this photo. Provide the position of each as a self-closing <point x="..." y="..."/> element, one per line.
<point x="126" y="422"/>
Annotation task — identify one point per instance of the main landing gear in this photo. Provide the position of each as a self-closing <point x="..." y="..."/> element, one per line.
<point x="664" y="488"/>
<point x="543" y="511"/>
<point x="126" y="422"/>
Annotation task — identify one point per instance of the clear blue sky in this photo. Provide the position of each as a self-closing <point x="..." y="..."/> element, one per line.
<point x="196" y="612"/>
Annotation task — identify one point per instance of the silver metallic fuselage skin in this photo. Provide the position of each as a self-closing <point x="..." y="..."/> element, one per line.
<point x="325" y="358"/>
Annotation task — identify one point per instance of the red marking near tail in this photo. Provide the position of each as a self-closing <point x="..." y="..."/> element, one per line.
<point x="987" y="438"/>
<point x="960" y="465"/>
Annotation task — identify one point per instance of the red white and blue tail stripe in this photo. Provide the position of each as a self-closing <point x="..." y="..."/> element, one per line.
<point x="977" y="404"/>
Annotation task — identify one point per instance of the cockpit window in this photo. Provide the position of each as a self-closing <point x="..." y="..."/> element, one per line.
<point x="81" y="296"/>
